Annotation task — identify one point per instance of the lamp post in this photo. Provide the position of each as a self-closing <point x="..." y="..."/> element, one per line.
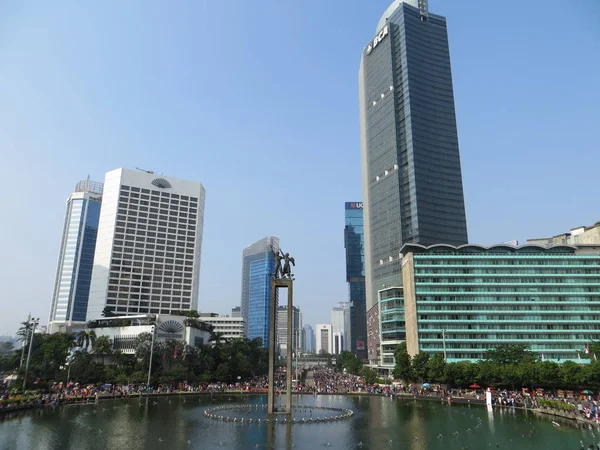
<point x="297" y="351"/>
<point x="444" y="343"/>
<point x="25" y="341"/>
<point x="33" y="323"/>
<point x="151" y="351"/>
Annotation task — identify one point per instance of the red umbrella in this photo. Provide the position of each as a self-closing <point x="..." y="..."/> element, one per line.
<point x="474" y="386"/>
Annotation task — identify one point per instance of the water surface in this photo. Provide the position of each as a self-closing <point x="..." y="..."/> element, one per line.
<point x="178" y="422"/>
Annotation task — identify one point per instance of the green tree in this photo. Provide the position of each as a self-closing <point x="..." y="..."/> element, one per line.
<point x="369" y="375"/>
<point x="103" y="347"/>
<point x="349" y="361"/>
<point x="420" y="367"/>
<point x="510" y="354"/>
<point x="436" y="367"/>
<point x="108" y="312"/>
<point x="85" y="338"/>
<point x="403" y="367"/>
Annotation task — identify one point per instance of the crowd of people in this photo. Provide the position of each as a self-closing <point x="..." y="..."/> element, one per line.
<point x="314" y="381"/>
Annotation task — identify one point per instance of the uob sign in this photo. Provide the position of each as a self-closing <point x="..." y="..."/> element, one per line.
<point x="383" y="33"/>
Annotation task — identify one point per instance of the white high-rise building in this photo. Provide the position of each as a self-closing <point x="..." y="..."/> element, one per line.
<point x="231" y="327"/>
<point x="76" y="258"/>
<point x="324" y="338"/>
<point x="340" y="316"/>
<point x="149" y="242"/>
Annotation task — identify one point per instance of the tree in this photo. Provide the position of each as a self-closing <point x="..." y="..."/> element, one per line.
<point x="420" y="366"/>
<point x="369" y="375"/>
<point x="108" y="312"/>
<point x="349" y="361"/>
<point x="6" y="348"/>
<point x="217" y="337"/>
<point x="85" y="338"/>
<point x="403" y="368"/>
<point x="511" y="354"/>
<point x="103" y="347"/>
<point x="436" y="367"/>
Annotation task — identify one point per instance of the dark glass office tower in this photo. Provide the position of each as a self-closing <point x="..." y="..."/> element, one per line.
<point x="355" y="276"/>
<point x="412" y="179"/>
<point x="258" y="266"/>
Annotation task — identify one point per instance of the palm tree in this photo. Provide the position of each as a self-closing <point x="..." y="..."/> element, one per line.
<point x="85" y="338"/>
<point x="103" y="346"/>
<point x="217" y="337"/>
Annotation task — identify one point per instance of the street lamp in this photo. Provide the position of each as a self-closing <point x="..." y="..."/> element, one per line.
<point x="25" y="341"/>
<point x="33" y="323"/>
<point x="151" y="351"/>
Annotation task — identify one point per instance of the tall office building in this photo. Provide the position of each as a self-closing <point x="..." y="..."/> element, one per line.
<point x="340" y="315"/>
<point x="236" y="311"/>
<point x="324" y="336"/>
<point x="354" y="238"/>
<point x="308" y="339"/>
<point x="282" y="328"/>
<point x="258" y="266"/>
<point x="147" y="257"/>
<point x="76" y="258"/>
<point x="412" y="183"/>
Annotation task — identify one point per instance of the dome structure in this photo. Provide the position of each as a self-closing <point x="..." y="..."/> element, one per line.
<point x="390" y="9"/>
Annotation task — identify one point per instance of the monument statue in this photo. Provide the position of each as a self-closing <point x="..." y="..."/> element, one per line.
<point x="285" y="270"/>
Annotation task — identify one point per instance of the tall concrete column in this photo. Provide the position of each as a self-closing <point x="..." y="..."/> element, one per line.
<point x="277" y="283"/>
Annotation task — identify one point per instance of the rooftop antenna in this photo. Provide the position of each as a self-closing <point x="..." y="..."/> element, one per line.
<point x="144" y="170"/>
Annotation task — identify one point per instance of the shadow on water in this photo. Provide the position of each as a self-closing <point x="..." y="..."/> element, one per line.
<point x="379" y="423"/>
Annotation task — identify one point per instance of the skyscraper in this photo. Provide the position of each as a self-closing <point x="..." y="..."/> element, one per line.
<point x="339" y="321"/>
<point x="324" y="338"/>
<point x="308" y="339"/>
<point x="147" y="257"/>
<point x="257" y="268"/>
<point x="412" y="182"/>
<point x="282" y="327"/>
<point x="354" y="237"/>
<point x="76" y="258"/>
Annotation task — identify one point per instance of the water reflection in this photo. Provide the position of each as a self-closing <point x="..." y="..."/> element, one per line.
<point x="379" y="423"/>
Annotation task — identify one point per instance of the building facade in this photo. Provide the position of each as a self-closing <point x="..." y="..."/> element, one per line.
<point x="578" y="235"/>
<point x="412" y="181"/>
<point x="230" y="327"/>
<point x="147" y="258"/>
<point x="76" y="258"/>
<point x="354" y="239"/>
<point x="236" y="311"/>
<point x="258" y="266"/>
<point x="466" y="300"/>
<point x="308" y="339"/>
<point x="340" y="318"/>
<point x="282" y="328"/>
<point x="124" y="331"/>
<point x="324" y="338"/>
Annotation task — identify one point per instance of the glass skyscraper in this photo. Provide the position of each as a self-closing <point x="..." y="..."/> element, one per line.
<point x="354" y="237"/>
<point x="412" y="182"/>
<point x="76" y="258"/>
<point x="257" y="268"/>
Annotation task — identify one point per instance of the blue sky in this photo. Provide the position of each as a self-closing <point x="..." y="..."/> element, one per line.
<point x="258" y="101"/>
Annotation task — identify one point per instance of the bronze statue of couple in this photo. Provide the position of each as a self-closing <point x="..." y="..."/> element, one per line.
<point x="284" y="271"/>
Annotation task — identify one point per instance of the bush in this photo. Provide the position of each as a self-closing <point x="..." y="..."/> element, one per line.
<point x="556" y="404"/>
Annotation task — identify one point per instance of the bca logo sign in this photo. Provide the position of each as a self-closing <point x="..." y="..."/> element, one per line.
<point x="383" y="33"/>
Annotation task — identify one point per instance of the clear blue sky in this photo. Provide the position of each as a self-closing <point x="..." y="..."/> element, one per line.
<point x="258" y="101"/>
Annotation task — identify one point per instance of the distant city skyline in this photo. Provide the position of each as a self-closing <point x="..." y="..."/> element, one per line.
<point x="137" y="98"/>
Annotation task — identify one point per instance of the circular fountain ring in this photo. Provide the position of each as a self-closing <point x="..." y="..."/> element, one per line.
<point x="223" y="414"/>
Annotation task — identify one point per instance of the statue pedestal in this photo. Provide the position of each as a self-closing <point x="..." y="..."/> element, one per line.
<point x="277" y="283"/>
